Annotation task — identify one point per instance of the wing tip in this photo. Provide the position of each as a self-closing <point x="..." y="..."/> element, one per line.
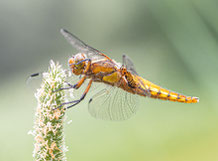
<point x="90" y="100"/>
<point x="62" y="30"/>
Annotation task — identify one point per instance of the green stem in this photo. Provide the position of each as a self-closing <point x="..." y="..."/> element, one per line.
<point x="48" y="128"/>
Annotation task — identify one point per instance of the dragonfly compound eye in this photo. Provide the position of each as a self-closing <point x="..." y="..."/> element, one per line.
<point x="79" y="63"/>
<point x="71" y="62"/>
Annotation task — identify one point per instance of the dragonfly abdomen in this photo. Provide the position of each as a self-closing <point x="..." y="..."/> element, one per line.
<point x="164" y="94"/>
<point x="155" y="91"/>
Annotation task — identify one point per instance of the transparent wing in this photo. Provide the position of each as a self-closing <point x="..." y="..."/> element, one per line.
<point x="113" y="103"/>
<point x="80" y="45"/>
<point x="129" y="64"/>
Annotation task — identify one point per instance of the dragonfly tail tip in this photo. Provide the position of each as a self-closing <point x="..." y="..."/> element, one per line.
<point x="195" y="99"/>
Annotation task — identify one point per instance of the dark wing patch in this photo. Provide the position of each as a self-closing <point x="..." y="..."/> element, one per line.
<point x="129" y="64"/>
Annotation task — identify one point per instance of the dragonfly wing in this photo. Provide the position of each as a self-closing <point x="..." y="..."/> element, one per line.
<point x="129" y="64"/>
<point x="113" y="103"/>
<point x="80" y="45"/>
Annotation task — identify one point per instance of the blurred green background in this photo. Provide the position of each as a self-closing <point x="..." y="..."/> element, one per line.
<point x="173" y="43"/>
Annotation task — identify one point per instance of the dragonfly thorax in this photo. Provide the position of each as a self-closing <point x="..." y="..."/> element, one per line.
<point x="129" y="77"/>
<point x="77" y="64"/>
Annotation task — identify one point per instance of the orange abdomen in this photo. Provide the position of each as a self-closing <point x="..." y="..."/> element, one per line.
<point x="155" y="91"/>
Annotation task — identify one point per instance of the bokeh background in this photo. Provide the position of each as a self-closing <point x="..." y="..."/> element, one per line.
<point x="173" y="43"/>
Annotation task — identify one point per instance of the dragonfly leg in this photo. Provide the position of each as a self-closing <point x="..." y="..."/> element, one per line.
<point x="87" y="66"/>
<point x="76" y="86"/>
<point x="75" y="102"/>
<point x="79" y="83"/>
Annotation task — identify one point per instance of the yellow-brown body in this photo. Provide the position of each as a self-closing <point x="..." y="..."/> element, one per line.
<point x="112" y="104"/>
<point x="108" y="72"/>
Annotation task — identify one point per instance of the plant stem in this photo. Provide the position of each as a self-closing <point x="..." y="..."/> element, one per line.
<point x="48" y="126"/>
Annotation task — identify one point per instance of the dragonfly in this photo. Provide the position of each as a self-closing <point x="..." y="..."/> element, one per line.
<point x="123" y="85"/>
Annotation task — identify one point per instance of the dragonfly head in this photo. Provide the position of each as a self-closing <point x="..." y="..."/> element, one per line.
<point x="75" y="63"/>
